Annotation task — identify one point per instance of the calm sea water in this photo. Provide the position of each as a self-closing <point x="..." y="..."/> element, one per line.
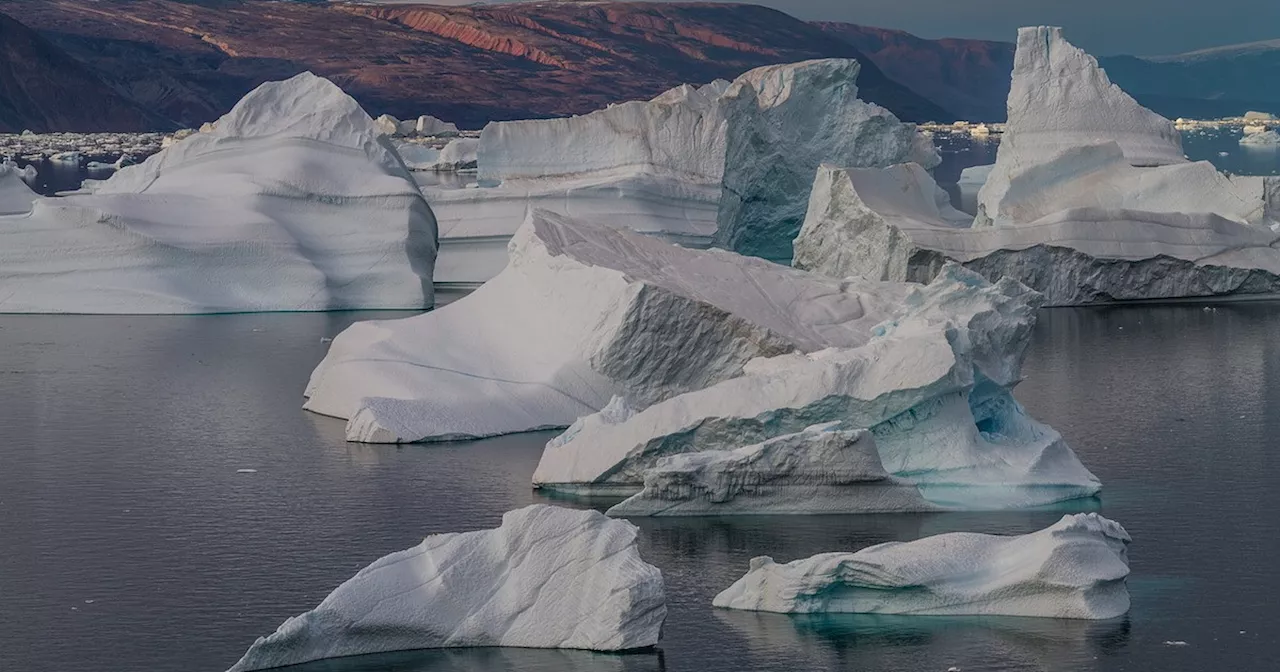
<point x="128" y="541"/>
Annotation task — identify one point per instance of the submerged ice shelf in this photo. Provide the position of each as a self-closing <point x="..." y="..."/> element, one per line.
<point x="1073" y="569"/>
<point x="548" y="577"/>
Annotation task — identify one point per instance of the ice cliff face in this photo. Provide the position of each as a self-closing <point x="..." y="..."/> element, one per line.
<point x="549" y="577"/>
<point x="932" y="387"/>
<point x="1073" y="569"/>
<point x="583" y="312"/>
<point x="784" y="121"/>
<point x="292" y="202"/>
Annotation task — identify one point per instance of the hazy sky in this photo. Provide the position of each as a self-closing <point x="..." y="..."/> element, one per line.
<point x="1103" y="27"/>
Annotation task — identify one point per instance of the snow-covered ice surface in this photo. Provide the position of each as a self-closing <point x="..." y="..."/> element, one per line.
<point x="1073" y="569"/>
<point x="932" y="386"/>
<point x="822" y="469"/>
<point x="291" y="203"/>
<point x="15" y="196"/>
<point x="1082" y="206"/>
<point x="783" y="121"/>
<point x="582" y="313"/>
<point x="549" y="577"/>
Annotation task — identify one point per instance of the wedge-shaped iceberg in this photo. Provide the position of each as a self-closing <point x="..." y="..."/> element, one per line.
<point x="784" y="121"/>
<point x="549" y="577"/>
<point x="932" y="387"/>
<point x="1060" y="99"/>
<point x="15" y="196"/>
<point x="821" y="470"/>
<point x="582" y="313"/>
<point x="1073" y="569"/>
<point x="292" y="202"/>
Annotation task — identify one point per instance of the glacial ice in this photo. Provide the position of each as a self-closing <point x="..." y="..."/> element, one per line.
<point x="428" y="125"/>
<point x="970" y="183"/>
<point x="549" y="577"/>
<point x="1081" y="205"/>
<point x="1263" y="139"/>
<point x="291" y="203"/>
<point x="1074" y="569"/>
<point x="932" y="386"/>
<point x="1061" y="99"/>
<point x="782" y="122"/>
<point x="822" y="469"/>
<point x="582" y="313"/>
<point x="15" y="196"/>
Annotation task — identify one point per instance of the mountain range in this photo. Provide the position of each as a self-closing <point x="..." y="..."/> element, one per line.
<point x="151" y="64"/>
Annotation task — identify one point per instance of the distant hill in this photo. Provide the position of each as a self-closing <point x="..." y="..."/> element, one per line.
<point x="190" y="61"/>
<point x="968" y="77"/>
<point x="42" y="88"/>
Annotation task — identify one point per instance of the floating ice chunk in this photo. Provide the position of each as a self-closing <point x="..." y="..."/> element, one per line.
<point x="292" y="203"/>
<point x="783" y="121"/>
<point x="932" y="386"/>
<point x="1263" y="139"/>
<point x="549" y="577"/>
<point x="15" y="196"/>
<point x="971" y="181"/>
<point x="1073" y="569"/>
<point x="387" y="125"/>
<point x="246" y="471"/>
<point x="427" y="125"/>
<point x="1113" y="232"/>
<point x="820" y="470"/>
<point x="582" y="313"/>
<point x="1061" y="99"/>
<point x="418" y="157"/>
<point x="459" y="154"/>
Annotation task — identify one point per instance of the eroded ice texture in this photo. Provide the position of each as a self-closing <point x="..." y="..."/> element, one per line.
<point x="549" y="577"/>
<point x="1073" y="569"/>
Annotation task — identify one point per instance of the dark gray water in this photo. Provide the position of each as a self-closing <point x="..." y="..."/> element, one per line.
<point x="128" y="541"/>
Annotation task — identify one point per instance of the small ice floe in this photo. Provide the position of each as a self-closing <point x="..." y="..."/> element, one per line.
<point x="246" y="471"/>
<point x="1175" y="643"/>
<point x="326" y="339"/>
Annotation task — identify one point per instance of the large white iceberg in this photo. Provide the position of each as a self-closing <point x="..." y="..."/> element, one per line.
<point x="650" y="166"/>
<point x="784" y="121"/>
<point x="582" y="313"/>
<point x="1080" y="205"/>
<point x="932" y="386"/>
<point x="292" y="202"/>
<point x="549" y="577"/>
<point x="822" y="469"/>
<point x="1073" y="569"/>
<point x="1263" y="139"/>
<point x="15" y="196"/>
<point x="1061" y="99"/>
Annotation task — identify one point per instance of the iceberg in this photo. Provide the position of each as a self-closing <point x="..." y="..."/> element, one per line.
<point x="549" y="577"/>
<point x="1074" y="569"/>
<point x="459" y="154"/>
<point x="417" y="156"/>
<point x="292" y="203"/>
<point x="1060" y="99"/>
<point x="782" y="122"/>
<point x="1263" y="139"/>
<point x="822" y="469"/>
<point x="582" y="313"/>
<point x="932" y="387"/>
<point x="970" y="183"/>
<point x="1081" y="206"/>
<point x="427" y="125"/>
<point x="16" y="197"/>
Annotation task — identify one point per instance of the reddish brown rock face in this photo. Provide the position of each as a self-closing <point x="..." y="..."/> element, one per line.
<point x="190" y="61"/>
<point x="44" y="89"/>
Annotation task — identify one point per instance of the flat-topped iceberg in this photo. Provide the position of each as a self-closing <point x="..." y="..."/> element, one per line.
<point x="782" y="122"/>
<point x="822" y="469"/>
<point x="932" y="386"/>
<point x="1263" y="139"/>
<point x="1073" y="569"/>
<point x="292" y="202"/>
<point x="582" y="313"/>
<point x="549" y="577"/>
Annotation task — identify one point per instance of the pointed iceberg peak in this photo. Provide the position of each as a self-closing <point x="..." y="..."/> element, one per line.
<point x="1061" y="98"/>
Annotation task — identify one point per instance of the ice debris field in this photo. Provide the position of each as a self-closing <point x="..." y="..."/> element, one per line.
<point x="738" y="298"/>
